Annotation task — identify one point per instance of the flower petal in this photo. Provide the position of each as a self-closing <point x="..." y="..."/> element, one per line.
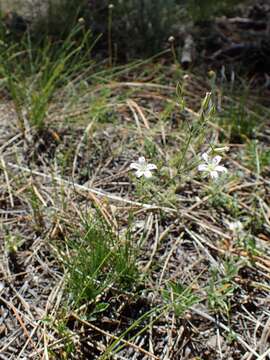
<point x="236" y="226"/>
<point x="147" y="174"/>
<point x="141" y="160"/>
<point x="139" y="173"/>
<point x="205" y="157"/>
<point x="216" y="160"/>
<point x="202" y="167"/>
<point x="135" y="166"/>
<point x="214" y="174"/>
<point x="221" y="168"/>
<point x="151" y="167"/>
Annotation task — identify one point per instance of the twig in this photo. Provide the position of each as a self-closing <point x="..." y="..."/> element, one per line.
<point x="168" y="257"/>
<point x="7" y="182"/>
<point x="131" y="107"/>
<point x="139" y="110"/>
<point x="157" y="239"/>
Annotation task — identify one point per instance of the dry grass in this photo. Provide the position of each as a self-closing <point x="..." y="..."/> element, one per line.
<point x="201" y="292"/>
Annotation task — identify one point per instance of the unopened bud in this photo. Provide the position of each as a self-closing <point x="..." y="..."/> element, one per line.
<point x="111" y="6"/>
<point x="206" y="101"/>
<point x="211" y="74"/>
<point x="81" y="21"/>
<point x="171" y="39"/>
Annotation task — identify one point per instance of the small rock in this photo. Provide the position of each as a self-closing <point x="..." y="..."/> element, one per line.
<point x="213" y="341"/>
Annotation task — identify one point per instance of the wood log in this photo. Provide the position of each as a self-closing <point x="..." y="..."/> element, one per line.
<point x="187" y="52"/>
<point x="246" y="23"/>
<point x="233" y="51"/>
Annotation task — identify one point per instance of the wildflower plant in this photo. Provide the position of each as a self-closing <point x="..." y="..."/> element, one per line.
<point x="183" y="164"/>
<point x="236" y="227"/>
<point x="211" y="166"/>
<point x="143" y="168"/>
<point x="134" y="254"/>
<point x="196" y="131"/>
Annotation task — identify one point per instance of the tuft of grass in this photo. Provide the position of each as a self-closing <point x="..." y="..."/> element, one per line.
<point x="99" y="258"/>
<point x="257" y="156"/>
<point x="33" y="71"/>
<point x="240" y="124"/>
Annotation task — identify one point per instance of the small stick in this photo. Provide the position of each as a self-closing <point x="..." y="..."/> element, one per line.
<point x="7" y="181"/>
<point x="131" y="106"/>
<point x="137" y="107"/>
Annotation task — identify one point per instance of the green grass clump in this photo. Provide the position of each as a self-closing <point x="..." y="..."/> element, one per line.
<point x="33" y="71"/>
<point x="99" y="257"/>
<point x="257" y="156"/>
<point x="239" y="124"/>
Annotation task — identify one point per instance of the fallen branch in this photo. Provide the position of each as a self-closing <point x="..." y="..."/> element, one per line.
<point x="188" y="51"/>
<point x="246" y="23"/>
<point x="233" y="51"/>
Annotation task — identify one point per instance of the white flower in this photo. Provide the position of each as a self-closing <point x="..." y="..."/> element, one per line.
<point x="138" y="225"/>
<point x="211" y="166"/>
<point x="143" y="169"/>
<point x="235" y="227"/>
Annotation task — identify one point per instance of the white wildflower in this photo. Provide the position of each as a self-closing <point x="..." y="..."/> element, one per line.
<point x="143" y="169"/>
<point x="138" y="225"/>
<point x="235" y="227"/>
<point x="211" y="166"/>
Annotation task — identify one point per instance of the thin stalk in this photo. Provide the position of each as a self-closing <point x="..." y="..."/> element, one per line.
<point x="110" y="35"/>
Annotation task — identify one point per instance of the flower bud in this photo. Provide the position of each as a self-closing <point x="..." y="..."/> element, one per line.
<point x="81" y="21"/>
<point x="211" y="74"/>
<point x="206" y="101"/>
